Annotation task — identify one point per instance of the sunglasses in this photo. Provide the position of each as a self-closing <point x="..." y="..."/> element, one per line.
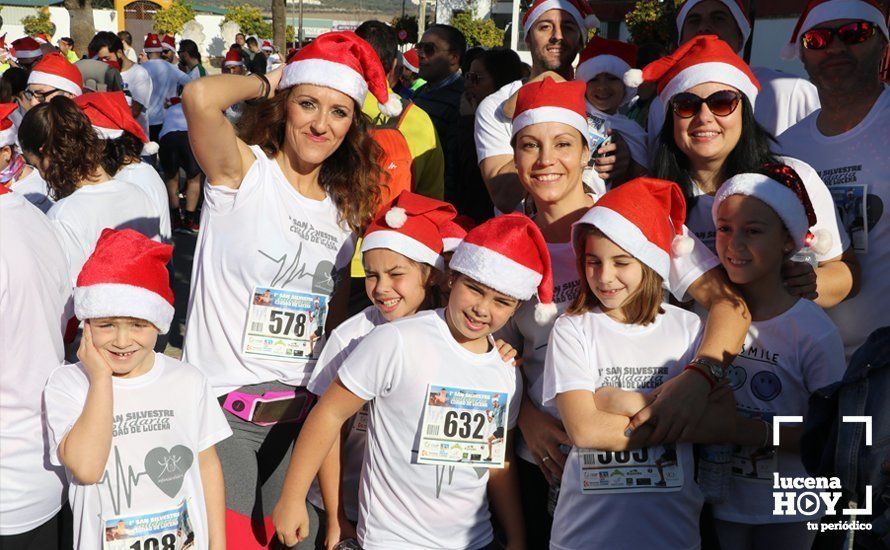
<point x="42" y="97"/>
<point x="851" y="33"/>
<point x="427" y="48"/>
<point x="722" y="103"/>
<point x="473" y="78"/>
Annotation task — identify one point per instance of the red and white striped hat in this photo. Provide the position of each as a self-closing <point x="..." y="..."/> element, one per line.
<point x="168" y="43"/>
<point x="735" y="7"/>
<point x="41" y="38"/>
<point x="233" y="58"/>
<point x="56" y="71"/>
<point x="411" y="226"/>
<point x="152" y="44"/>
<point x="550" y="101"/>
<point x="126" y="276"/>
<point x="411" y="61"/>
<point x="580" y="11"/>
<point x="110" y="116"/>
<point x="644" y="217"/>
<point x="821" y="11"/>
<point x="342" y="61"/>
<point x="454" y="231"/>
<point x="508" y="254"/>
<point x="702" y="59"/>
<point x="8" y="131"/>
<point x="267" y="46"/>
<point x="26" y="48"/>
<point x="614" y="57"/>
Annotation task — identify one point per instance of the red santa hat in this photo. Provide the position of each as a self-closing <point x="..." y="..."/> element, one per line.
<point x="411" y="226"/>
<point x="41" y="38"/>
<point x="781" y="188"/>
<point x="26" y="48"/>
<point x="267" y="46"/>
<point x="550" y="101"/>
<point x="411" y="61"/>
<point x="644" y="217"/>
<point x="580" y="11"/>
<point x="110" y="116"/>
<point x="735" y="7"/>
<point x="233" y="58"/>
<point x="126" y="276"/>
<point x="454" y="232"/>
<point x="509" y="254"/>
<point x="56" y="71"/>
<point x="152" y="44"/>
<point x="614" y="57"/>
<point x="8" y="131"/>
<point x="702" y="59"/>
<point x="821" y="11"/>
<point x="3" y="42"/>
<point x="168" y="43"/>
<point x="342" y="61"/>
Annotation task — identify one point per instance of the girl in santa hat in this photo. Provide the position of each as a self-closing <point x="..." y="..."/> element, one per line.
<point x="791" y="350"/>
<point x="710" y="135"/>
<point x="435" y="381"/>
<point x="285" y="198"/>
<point x="550" y="152"/>
<point x="404" y="255"/>
<point x="15" y="173"/>
<point x="124" y="410"/>
<point x="617" y="344"/>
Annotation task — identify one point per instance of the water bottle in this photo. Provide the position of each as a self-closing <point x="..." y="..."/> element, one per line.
<point x="348" y="544"/>
<point x="714" y="471"/>
<point x="806" y="255"/>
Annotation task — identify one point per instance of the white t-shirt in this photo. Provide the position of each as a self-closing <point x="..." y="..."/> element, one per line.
<point x="493" y="130"/>
<point x="165" y="77"/>
<point x="34" y="188"/>
<point x="80" y="218"/>
<point x="700" y="220"/>
<point x="590" y="351"/>
<point x="162" y="421"/>
<point x="783" y="361"/>
<point x="148" y="179"/>
<point x="342" y="341"/>
<point x="137" y="81"/>
<point x="263" y="234"/>
<point x="403" y="504"/>
<point x="854" y="165"/>
<point x="782" y="102"/>
<point x="530" y="338"/>
<point x="174" y="121"/>
<point x="34" y="289"/>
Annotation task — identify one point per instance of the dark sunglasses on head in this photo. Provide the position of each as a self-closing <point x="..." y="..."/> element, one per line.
<point x="856" y="32"/>
<point x="722" y="103"/>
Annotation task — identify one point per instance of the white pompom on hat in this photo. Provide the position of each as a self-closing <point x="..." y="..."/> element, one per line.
<point x="56" y="71"/>
<point x="508" y="254"/>
<point x="613" y="57"/>
<point x="551" y="101"/>
<point x="780" y="188"/>
<point x="126" y="276"/>
<point x="580" y="11"/>
<point x="342" y="61"/>
<point x="735" y="7"/>
<point x="412" y="226"/>
<point x="644" y="217"/>
<point x="820" y="11"/>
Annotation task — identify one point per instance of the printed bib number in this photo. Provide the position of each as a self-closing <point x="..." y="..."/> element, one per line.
<point x="284" y="324"/>
<point x="649" y="469"/>
<point x="360" y="424"/>
<point x="464" y="426"/>
<point x="597" y="132"/>
<point x="167" y="530"/>
<point x="757" y="463"/>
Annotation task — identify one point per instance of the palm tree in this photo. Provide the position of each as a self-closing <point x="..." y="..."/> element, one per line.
<point x="82" y="28"/>
<point x="279" y="24"/>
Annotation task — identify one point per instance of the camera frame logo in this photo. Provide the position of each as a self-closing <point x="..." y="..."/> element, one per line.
<point x="809" y="496"/>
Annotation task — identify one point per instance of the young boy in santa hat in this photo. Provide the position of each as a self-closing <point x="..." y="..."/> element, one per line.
<point x="134" y="429"/>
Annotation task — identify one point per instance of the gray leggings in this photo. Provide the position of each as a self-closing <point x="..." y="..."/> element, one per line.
<point x="769" y="536"/>
<point x="254" y="462"/>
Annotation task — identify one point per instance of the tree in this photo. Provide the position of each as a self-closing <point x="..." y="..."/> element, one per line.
<point x="39" y="23"/>
<point x="250" y="20"/>
<point x="171" y="20"/>
<point x="652" y="21"/>
<point x="81" y="14"/>
<point x="479" y="32"/>
<point x="279" y="22"/>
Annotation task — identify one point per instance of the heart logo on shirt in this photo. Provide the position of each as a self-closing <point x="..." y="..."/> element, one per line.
<point x="167" y="469"/>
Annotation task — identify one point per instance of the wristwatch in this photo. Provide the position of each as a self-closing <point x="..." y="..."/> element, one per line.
<point x="716" y="370"/>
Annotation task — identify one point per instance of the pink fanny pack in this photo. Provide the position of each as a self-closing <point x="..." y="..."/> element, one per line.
<point x="272" y="407"/>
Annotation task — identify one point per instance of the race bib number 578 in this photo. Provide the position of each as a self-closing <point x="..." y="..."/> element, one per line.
<point x="284" y="324"/>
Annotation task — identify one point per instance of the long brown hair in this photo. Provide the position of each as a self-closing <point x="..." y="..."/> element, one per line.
<point x="351" y="176"/>
<point x="58" y="130"/>
<point x="640" y="308"/>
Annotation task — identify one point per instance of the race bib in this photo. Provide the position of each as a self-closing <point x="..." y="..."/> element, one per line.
<point x="284" y="324"/>
<point x="755" y="462"/>
<point x="360" y="424"/>
<point x="597" y="133"/>
<point x="463" y="426"/>
<point x="166" y="530"/>
<point x="645" y="470"/>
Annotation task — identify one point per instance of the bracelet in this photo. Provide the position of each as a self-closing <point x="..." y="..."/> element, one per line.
<point x="264" y="94"/>
<point x="696" y="368"/>
<point x="767" y="435"/>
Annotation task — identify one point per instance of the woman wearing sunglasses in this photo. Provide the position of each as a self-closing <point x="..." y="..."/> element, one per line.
<point x="710" y="135"/>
